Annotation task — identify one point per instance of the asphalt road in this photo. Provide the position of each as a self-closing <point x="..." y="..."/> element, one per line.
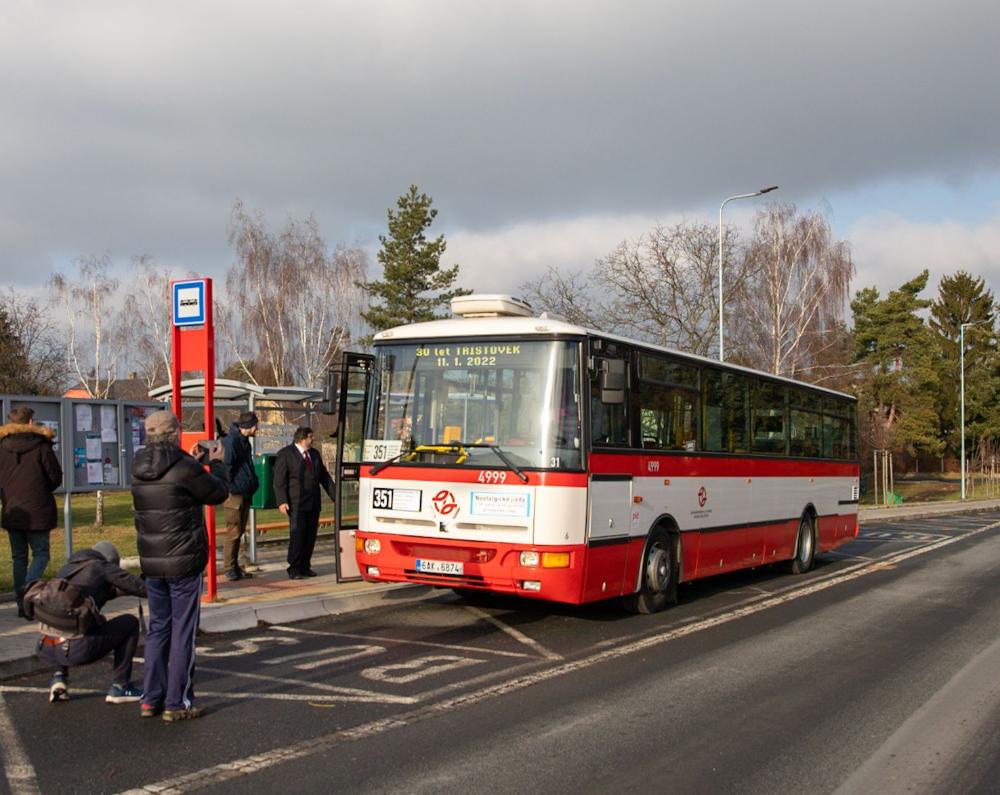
<point x="879" y="671"/>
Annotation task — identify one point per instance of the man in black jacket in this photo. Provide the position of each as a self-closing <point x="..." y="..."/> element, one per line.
<point x="96" y="572"/>
<point x="242" y="485"/>
<point x="298" y="475"/>
<point x="170" y="490"/>
<point x="29" y="473"/>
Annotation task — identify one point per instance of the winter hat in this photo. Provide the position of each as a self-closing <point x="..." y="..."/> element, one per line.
<point x="247" y="420"/>
<point x="107" y="551"/>
<point x="162" y="423"/>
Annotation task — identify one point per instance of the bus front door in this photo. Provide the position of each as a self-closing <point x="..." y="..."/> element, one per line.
<point x="348" y="389"/>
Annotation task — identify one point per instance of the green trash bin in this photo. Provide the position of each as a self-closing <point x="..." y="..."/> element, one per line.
<point x="263" y="465"/>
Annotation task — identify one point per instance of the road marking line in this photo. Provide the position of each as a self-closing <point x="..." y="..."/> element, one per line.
<point x="16" y="764"/>
<point x="381" y="639"/>
<point x="343" y="654"/>
<point x="363" y="697"/>
<point x="341" y="691"/>
<point x="243" y="766"/>
<point x="516" y="634"/>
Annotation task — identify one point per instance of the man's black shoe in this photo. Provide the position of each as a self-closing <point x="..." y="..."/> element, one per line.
<point x="234" y="574"/>
<point x="245" y="575"/>
<point x="294" y="575"/>
<point x="311" y="573"/>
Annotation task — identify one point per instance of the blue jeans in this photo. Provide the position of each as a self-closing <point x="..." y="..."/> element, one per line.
<point x="20" y="540"/>
<point x="174" y="610"/>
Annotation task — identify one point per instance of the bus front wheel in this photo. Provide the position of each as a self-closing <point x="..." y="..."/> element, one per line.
<point x="659" y="577"/>
<point x="805" y="548"/>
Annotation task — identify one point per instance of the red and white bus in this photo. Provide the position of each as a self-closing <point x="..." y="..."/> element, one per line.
<point x="526" y="455"/>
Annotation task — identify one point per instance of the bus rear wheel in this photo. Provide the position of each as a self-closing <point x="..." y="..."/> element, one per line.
<point x="805" y="548"/>
<point x="659" y="577"/>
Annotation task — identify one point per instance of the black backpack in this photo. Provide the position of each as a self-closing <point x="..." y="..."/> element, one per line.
<point x="62" y="605"/>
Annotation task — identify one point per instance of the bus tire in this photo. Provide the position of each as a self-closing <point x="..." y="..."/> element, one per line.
<point x="805" y="548"/>
<point x="659" y="576"/>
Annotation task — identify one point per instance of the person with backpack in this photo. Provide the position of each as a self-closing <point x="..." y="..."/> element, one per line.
<point x="29" y="473"/>
<point x="170" y="490"/>
<point x="73" y="630"/>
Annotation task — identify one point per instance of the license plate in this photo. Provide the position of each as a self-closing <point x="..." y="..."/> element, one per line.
<point x="441" y="566"/>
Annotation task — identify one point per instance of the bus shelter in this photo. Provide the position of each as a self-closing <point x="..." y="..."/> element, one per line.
<point x="281" y="409"/>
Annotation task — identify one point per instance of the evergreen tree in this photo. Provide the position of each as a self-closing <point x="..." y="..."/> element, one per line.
<point x="413" y="287"/>
<point x="900" y="378"/>
<point x="965" y="299"/>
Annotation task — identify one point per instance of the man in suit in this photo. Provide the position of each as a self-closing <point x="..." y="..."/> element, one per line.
<point x="298" y="475"/>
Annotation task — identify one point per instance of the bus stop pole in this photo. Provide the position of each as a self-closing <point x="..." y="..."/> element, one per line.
<point x="252" y="526"/>
<point x="68" y="522"/>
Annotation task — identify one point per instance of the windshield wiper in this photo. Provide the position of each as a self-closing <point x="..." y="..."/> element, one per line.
<point x="500" y="454"/>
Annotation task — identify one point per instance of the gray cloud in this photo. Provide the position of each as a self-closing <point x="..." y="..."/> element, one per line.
<point x="132" y="127"/>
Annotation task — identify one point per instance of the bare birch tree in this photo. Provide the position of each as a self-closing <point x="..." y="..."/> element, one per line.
<point x="147" y="307"/>
<point x="96" y="338"/>
<point x="793" y="304"/>
<point x="661" y="287"/>
<point x="292" y="305"/>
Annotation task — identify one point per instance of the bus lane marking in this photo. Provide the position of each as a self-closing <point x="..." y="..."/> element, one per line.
<point x="362" y="697"/>
<point x="243" y="766"/>
<point x="516" y="634"/>
<point x="342" y="654"/>
<point x="399" y="642"/>
<point x="420" y="668"/>
<point x="342" y="693"/>
<point x="246" y="646"/>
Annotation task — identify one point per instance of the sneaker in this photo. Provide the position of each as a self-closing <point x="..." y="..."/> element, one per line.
<point x="57" y="689"/>
<point x="123" y="694"/>
<point x="245" y="575"/>
<point x="150" y="710"/>
<point x="173" y="715"/>
<point x="234" y="574"/>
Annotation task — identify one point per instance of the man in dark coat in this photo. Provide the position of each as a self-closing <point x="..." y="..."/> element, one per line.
<point x="170" y="489"/>
<point x="29" y="473"/>
<point x="298" y="475"/>
<point x="242" y="485"/>
<point x="98" y="573"/>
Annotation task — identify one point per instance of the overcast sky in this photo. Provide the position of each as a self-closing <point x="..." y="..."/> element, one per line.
<point x="546" y="132"/>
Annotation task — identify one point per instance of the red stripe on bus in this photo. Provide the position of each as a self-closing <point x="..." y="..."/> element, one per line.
<point x="710" y="466"/>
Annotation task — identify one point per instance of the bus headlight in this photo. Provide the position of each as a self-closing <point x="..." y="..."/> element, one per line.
<point x="529" y="558"/>
<point x="373" y="546"/>
<point x="555" y="560"/>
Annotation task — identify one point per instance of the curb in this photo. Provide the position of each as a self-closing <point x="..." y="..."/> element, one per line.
<point x="870" y="515"/>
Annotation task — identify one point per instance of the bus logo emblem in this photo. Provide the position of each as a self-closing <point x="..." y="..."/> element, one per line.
<point x="445" y="503"/>
<point x="702" y="497"/>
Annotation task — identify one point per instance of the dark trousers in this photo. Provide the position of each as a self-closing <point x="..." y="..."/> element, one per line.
<point x="236" y="510"/>
<point x="120" y="635"/>
<point x="302" y="539"/>
<point x="174" y="610"/>
<point x="20" y="542"/>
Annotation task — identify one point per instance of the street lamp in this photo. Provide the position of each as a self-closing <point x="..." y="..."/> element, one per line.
<point x="761" y="192"/>
<point x="961" y="380"/>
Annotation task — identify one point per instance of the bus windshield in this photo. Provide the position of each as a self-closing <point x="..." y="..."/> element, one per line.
<point x="519" y="396"/>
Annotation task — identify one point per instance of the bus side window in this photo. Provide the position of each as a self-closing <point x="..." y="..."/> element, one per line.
<point x="608" y="421"/>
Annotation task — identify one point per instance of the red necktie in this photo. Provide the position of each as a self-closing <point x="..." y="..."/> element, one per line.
<point x="309" y="463"/>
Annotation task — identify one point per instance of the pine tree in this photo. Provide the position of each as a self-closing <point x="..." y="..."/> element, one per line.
<point x="413" y="288"/>
<point x="964" y="299"/>
<point x="898" y="352"/>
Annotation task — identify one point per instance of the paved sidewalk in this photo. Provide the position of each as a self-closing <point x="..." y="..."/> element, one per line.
<point x="271" y="597"/>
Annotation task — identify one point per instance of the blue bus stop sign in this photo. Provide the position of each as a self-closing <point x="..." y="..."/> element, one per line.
<point x="189" y="303"/>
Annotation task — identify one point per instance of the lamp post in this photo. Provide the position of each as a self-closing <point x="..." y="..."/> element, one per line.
<point x="761" y="192"/>
<point x="961" y="381"/>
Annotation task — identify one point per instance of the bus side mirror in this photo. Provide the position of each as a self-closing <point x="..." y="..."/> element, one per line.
<point x="331" y="393"/>
<point x="612" y="381"/>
